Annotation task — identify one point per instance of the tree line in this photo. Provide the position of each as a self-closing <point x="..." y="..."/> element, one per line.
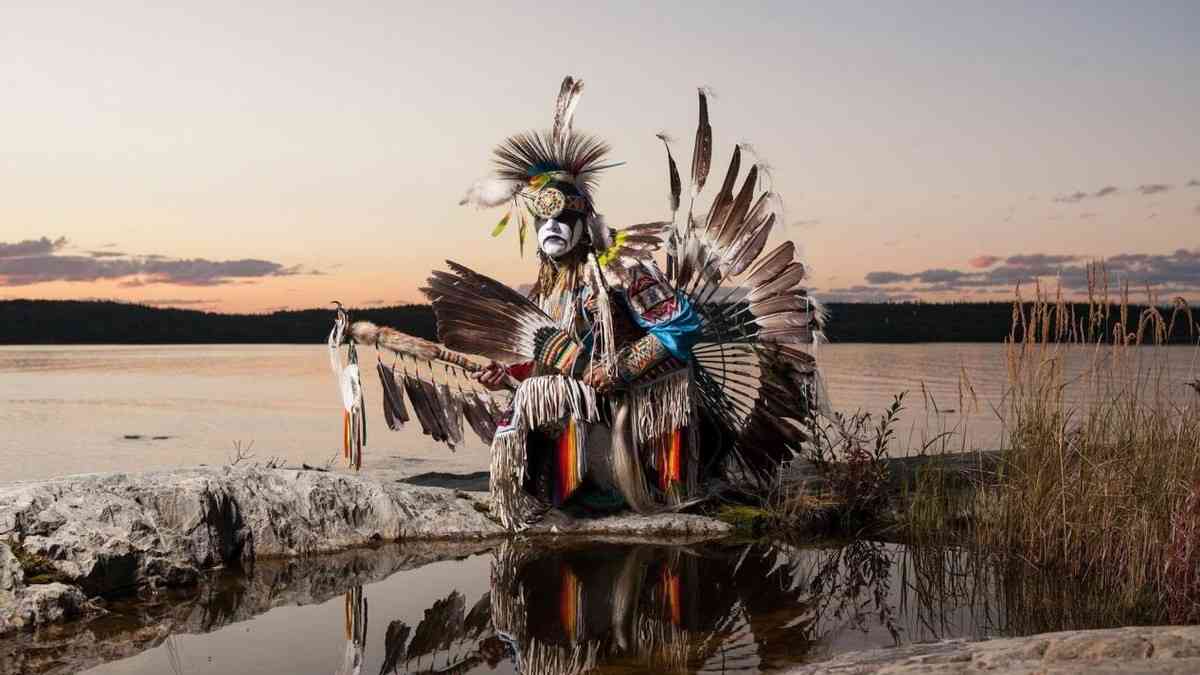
<point x="98" y="322"/>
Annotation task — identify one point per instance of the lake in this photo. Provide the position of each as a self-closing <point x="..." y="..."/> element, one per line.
<point x="77" y="409"/>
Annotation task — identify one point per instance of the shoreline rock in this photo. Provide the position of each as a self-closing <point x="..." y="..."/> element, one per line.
<point x="1133" y="649"/>
<point x="112" y="534"/>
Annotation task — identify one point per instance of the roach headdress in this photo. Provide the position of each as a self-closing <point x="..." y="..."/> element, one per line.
<point x="544" y="174"/>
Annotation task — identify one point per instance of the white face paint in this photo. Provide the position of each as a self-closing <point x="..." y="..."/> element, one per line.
<point x="556" y="239"/>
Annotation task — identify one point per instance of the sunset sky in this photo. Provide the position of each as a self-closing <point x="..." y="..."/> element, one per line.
<point x="235" y="159"/>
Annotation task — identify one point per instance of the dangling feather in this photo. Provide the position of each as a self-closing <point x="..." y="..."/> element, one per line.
<point x="419" y="396"/>
<point x="437" y="415"/>
<point x="598" y="232"/>
<point x="672" y="174"/>
<point x="478" y="416"/>
<point x="702" y="150"/>
<point x="490" y="192"/>
<point x="452" y="422"/>
<point x="499" y="228"/>
<point x="394" y="411"/>
<point x="564" y="107"/>
<point x="522" y="230"/>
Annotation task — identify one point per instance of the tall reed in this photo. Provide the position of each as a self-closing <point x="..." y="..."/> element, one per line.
<point x="1102" y="451"/>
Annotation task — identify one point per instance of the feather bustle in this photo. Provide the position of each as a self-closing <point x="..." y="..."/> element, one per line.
<point x="676" y="185"/>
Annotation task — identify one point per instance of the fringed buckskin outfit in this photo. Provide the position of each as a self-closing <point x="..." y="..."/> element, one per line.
<point x="634" y="386"/>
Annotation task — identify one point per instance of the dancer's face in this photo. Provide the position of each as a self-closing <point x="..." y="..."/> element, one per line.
<point x="556" y="238"/>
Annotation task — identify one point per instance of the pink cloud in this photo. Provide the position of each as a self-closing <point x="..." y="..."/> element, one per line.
<point x="982" y="261"/>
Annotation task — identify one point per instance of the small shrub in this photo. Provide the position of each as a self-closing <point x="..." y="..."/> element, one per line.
<point x="850" y="453"/>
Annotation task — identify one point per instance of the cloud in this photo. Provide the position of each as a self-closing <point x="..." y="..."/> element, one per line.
<point x="805" y="223"/>
<point x="373" y="303"/>
<point x="1039" y="259"/>
<point x="1178" y="271"/>
<point x="106" y="254"/>
<point x="31" y="247"/>
<point x="932" y="276"/>
<point x="36" y="261"/>
<point x="863" y="294"/>
<point x="1073" y="198"/>
<point x="1109" y="190"/>
<point x="883" y="278"/>
<point x="179" y="302"/>
<point x="982" y="261"/>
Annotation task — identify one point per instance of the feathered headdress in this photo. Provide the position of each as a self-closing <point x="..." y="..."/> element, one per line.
<point x="527" y="166"/>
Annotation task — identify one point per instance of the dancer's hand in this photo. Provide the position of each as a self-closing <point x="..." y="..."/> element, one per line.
<point x="493" y="376"/>
<point x="598" y="378"/>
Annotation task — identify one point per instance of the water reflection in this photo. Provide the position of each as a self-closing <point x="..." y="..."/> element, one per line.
<point x="565" y="607"/>
<point x="703" y="607"/>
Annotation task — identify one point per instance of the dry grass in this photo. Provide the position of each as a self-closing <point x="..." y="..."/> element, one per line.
<point x="1102" y="452"/>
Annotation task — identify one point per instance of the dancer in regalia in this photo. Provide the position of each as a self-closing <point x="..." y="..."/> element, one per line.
<point x="631" y="386"/>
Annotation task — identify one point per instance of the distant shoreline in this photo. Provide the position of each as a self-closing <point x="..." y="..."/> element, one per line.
<point x="77" y="322"/>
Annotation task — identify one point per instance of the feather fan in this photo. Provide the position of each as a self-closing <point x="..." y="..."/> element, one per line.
<point x="479" y="315"/>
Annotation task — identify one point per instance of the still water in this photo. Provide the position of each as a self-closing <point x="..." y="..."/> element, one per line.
<point x="77" y="409"/>
<point x="568" y="608"/>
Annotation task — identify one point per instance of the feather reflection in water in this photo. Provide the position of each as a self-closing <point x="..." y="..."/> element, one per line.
<point x="445" y="627"/>
<point x="356" y="632"/>
<point x="566" y="608"/>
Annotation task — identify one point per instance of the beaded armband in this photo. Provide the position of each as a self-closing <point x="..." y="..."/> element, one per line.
<point x="640" y="357"/>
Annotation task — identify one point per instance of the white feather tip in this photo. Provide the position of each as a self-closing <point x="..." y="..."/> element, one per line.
<point x="490" y="192"/>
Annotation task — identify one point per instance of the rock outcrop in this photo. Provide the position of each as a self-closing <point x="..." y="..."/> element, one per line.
<point x="1135" y="649"/>
<point x="102" y="535"/>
